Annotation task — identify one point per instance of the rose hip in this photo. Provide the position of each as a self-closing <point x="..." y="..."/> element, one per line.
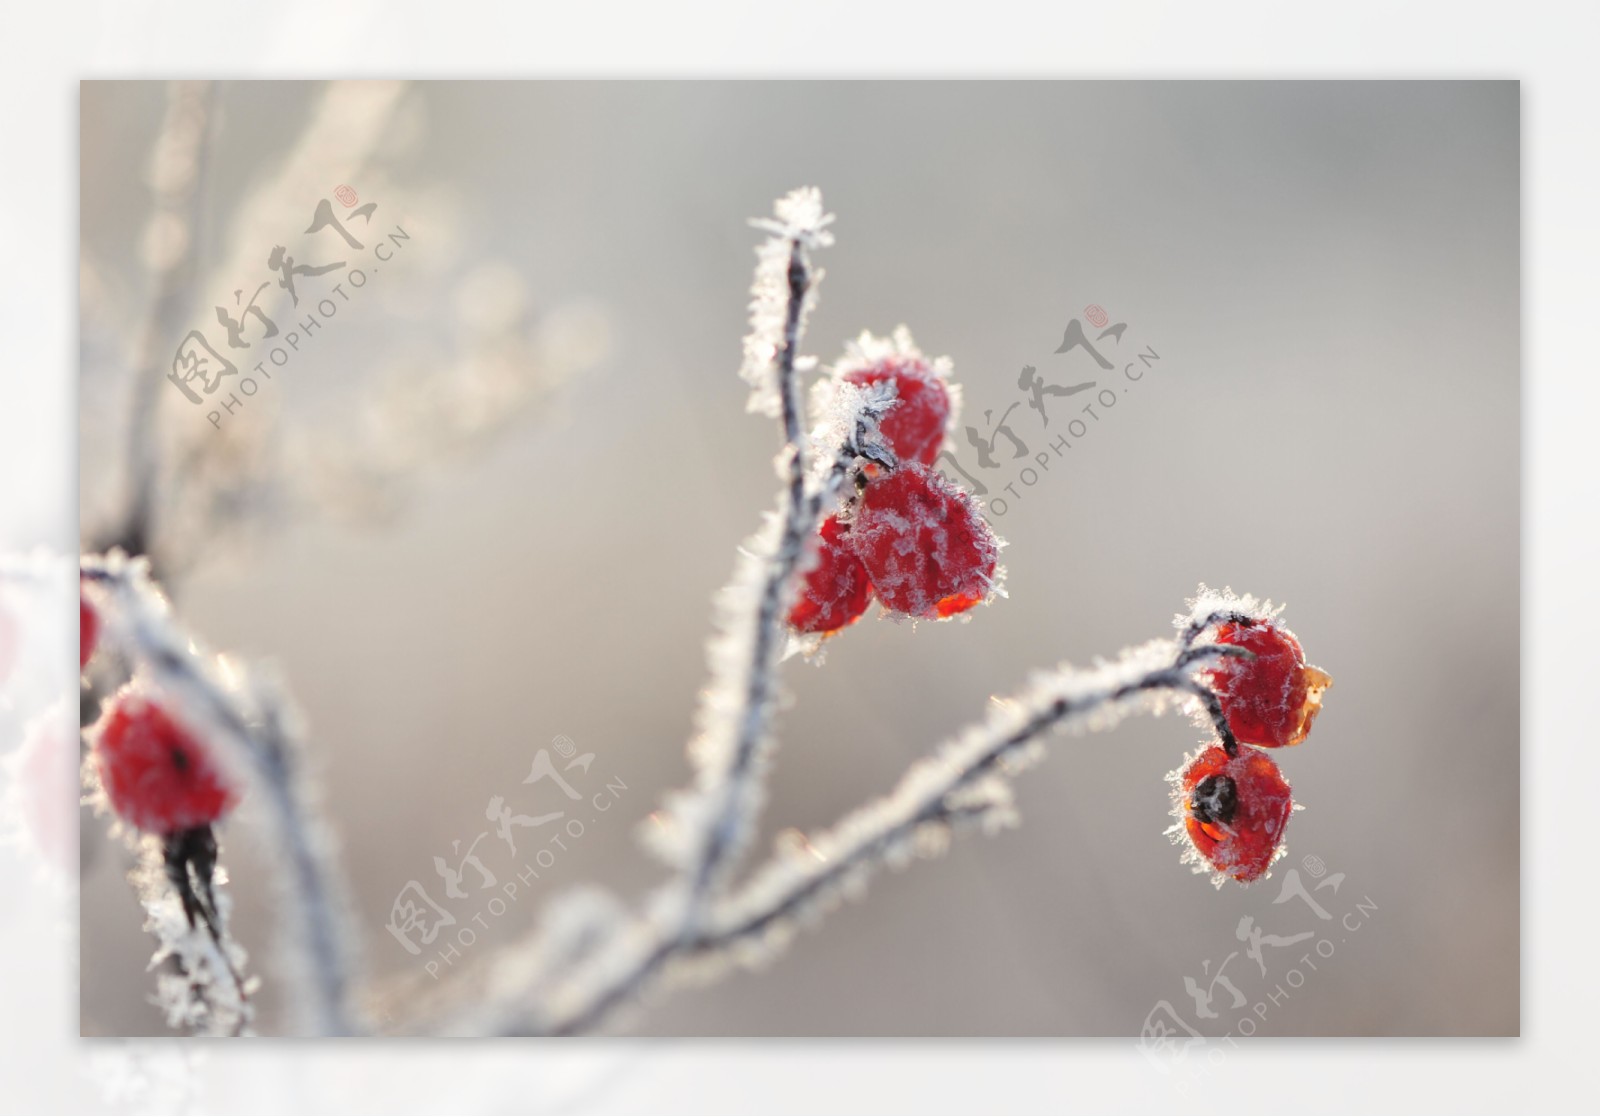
<point x="924" y="545"/>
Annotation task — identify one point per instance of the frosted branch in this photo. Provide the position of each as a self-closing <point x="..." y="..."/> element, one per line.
<point x="964" y="784"/>
<point x="710" y="825"/>
<point x="200" y="982"/>
<point x="706" y="827"/>
<point x="1209" y="608"/>
<point x="246" y="722"/>
<point x="781" y="296"/>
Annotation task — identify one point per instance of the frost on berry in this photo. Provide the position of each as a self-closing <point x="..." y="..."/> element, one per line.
<point x="848" y="421"/>
<point x="924" y="545"/>
<point x="1231" y="813"/>
<point x="156" y="775"/>
<point x="834" y="592"/>
<point x="926" y="401"/>
<point x="1270" y="700"/>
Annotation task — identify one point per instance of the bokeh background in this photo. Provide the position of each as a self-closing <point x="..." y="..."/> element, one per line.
<point x="1329" y="272"/>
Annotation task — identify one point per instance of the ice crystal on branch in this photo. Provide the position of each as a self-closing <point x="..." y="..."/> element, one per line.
<point x="782" y="268"/>
<point x="849" y="423"/>
<point x="931" y="405"/>
<point x="199" y="977"/>
<point x="1209" y="608"/>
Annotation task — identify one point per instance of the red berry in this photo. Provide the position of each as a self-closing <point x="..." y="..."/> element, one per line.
<point x="1270" y="700"/>
<point x="926" y="549"/>
<point x="158" y="776"/>
<point x="88" y="631"/>
<point x="836" y="591"/>
<point x="914" y="427"/>
<point x="1232" y="810"/>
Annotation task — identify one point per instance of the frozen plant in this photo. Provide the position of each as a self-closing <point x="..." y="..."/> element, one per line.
<point x="859" y="515"/>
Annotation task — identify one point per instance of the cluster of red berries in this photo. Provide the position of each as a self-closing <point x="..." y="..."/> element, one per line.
<point x="909" y="536"/>
<point x="1233" y="804"/>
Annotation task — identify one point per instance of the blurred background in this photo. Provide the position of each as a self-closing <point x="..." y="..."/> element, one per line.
<point x="487" y="506"/>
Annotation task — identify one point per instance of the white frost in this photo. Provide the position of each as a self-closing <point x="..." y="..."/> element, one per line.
<point x="799" y="224"/>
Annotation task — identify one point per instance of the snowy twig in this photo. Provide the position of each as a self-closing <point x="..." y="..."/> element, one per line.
<point x="200" y="982"/>
<point x="732" y="775"/>
<point x="1212" y="607"/>
<point x="247" y="723"/>
<point x="706" y="828"/>
<point x="735" y="714"/>
<point x="964" y="782"/>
